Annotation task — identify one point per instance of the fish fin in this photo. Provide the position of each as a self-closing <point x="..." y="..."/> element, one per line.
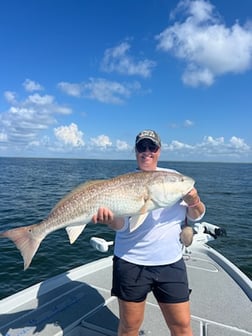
<point x="74" y="231"/>
<point x="25" y="241"/>
<point x="148" y="205"/>
<point x="136" y="221"/>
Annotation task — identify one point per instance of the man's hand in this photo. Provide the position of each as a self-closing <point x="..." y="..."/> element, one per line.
<point x="196" y="209"/>
<point x="106" y="216"/>
<point x="103" y="216"/>
<point x="192" y="197"/>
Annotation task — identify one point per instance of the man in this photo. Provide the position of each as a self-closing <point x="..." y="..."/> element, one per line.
<point x="150" y="258"/>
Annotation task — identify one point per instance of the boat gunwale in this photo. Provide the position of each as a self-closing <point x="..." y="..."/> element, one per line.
<point x="21" y="298"/>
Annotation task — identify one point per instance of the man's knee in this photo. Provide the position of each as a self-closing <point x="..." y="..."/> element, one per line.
<point x="131" y="317"/>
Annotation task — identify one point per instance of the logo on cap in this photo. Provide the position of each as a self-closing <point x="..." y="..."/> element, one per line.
<point x="149" y="134"/>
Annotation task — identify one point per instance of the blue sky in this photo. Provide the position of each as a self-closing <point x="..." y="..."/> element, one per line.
<point x="79" y="78"/>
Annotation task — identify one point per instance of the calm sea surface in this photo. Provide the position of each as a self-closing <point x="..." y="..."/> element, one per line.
<point x="29" y="188"/>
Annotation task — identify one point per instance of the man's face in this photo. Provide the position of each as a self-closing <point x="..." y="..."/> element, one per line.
<point x="147" y="154"/>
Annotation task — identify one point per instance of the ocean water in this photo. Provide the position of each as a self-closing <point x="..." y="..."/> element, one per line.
<point x="29" y="188"/>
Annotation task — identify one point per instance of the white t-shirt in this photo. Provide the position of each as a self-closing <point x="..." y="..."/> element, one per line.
<point x="157" y="240"/>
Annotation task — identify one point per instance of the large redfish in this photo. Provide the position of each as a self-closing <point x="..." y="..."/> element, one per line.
<point x="132" y="194"/>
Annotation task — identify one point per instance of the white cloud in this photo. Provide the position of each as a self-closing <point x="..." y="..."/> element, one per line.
<point x="69" y="135"/>
<point x="23" y="121"/>
<point x="188" y="123"/>
<point x="10" y="97"/>
<point x="209" y="140"/>
<point x="106" y="91"/>
<point x="102" y="141"/>
<point x="122" y="145"/>
<point x="209" y="148"/>
<point x="31" y="86"/>
<point x="71" y="89"/>
<point x="3" y="137"/>
<point x="40" y="100"/>
<point x="117" y="59"/>
<point x="239" y="144"/>
<point x="194" y="76"/>
<point x="219" y="147"/>
<point x="101" y="89"/>
<point x="208" y="47"/>
<point x="177" y="145"/>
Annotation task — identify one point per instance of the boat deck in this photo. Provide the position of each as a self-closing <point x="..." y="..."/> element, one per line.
<point x="78" y="303"/>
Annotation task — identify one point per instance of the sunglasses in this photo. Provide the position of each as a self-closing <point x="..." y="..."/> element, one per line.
<point x="143" y="146"/>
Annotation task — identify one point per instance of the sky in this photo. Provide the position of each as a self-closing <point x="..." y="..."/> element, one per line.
<point x="80" y="78"/>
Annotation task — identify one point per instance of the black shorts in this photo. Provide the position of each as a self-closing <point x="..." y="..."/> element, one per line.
<point x="132" y="282"/>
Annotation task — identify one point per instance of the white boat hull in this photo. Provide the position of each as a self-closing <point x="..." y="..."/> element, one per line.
<point x="79" y="303"/>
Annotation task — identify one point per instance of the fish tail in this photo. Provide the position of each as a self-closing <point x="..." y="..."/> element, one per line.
<point x="25" y="241"/>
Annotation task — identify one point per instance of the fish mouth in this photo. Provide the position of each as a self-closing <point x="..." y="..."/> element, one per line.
<point x="190" y="183"/>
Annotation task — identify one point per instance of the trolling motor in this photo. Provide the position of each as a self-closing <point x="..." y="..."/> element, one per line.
<point x="214" y="230"/>
<point x="205" y="232"/>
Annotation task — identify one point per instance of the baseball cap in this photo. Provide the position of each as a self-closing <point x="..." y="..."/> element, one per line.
<point x="149" y="134"/>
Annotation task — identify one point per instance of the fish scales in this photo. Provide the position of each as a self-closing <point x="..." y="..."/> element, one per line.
<point x="121" y="195"/>
<point x="132" y="194"/>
